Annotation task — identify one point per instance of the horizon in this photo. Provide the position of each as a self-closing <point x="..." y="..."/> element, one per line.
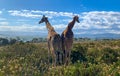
<point x="97" y="19"/>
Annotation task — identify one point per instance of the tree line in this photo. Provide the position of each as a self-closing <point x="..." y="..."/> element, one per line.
<point x="10" y="41"/>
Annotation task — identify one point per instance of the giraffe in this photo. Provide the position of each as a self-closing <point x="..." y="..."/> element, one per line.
<point x="54" y="43"/>
<point x="67" y="40"/>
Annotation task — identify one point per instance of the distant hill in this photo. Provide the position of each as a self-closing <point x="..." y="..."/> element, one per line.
<point x="100" y="36"/>
<point x="31" y="35"/>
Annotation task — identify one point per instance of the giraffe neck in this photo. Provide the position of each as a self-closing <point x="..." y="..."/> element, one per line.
<point x="71" y="24"/>
<point x="48" y="25"/>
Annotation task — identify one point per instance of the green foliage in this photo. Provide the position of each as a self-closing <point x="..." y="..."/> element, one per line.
<point x="4" y="41"/>
<point x="23" y="59"/>
<point x="93" y="55"/>
<point x="96" y="58"/>
<point x="109" y="55"/>
<point x="78" y="69"/>
<point x="78" y="53"/>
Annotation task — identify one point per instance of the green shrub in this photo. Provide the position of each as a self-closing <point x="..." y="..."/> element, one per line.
<point x="109" y="55"/>
<point x="78" y="53"/>
<point x="93" y="55"/>
<point x="23" y="59"/>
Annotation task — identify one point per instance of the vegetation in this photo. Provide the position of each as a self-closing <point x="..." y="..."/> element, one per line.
<point x="88" y="58"/>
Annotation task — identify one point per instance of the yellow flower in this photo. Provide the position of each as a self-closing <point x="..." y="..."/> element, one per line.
<point x="119" y="72"/>
<point x="11" y="68"/>
<point x="20" y="68"/>
<point x="3" y="66"/>
<point x="16" y="66"/>
<point x="2" y="72"/>
<point x="13" y="71"/>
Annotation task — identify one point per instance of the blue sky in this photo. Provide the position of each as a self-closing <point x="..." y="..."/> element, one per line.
<point x="20" y="17"/>
<point x="61" y="5"/>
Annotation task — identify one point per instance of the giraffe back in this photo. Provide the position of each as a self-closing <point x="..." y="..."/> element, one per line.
<point x="56" y="42"/>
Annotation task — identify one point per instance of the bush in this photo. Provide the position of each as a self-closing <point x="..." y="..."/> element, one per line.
<point x="78" y="69"/>
<point x="93" y="55"/>
<point x="78" y="53"/>
<point x="109" y="55"/>
<point x="31" y="59"/>
<point x="23" y="59"/>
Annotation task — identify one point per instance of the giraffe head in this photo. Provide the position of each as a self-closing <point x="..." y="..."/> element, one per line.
<point x="43" y="19"/>
<point x="76" y="18"/>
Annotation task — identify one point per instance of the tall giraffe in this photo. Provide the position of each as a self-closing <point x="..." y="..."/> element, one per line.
<point x="54" y="42"/>
<point x="67" y="40"/>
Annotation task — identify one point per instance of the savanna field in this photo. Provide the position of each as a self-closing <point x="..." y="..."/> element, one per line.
<point x="88" y="58"/>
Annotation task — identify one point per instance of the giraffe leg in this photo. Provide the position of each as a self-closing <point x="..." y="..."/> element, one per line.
<point x="53" y="51"/>
<point x="54" y="58"/>
<point x="63" y="49"/>
<point x="65" y="56"/>
<point x="68" y="57"/>
<point x="62" y="58"/>
<point x="59" y="58"/>
<point x="48" y="52"/>
<point x="68" y="51"/>
<point x="60" y="52"/>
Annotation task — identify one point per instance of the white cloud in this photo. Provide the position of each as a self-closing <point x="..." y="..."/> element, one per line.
<point x="22" y="28"/>
<point x="38" y="13"/>
<point x="119" y="26"/>
<point x="53" y="13"/>
<point x="99" y="20"/>
<point x="93" y="20"/>
<point x="23" y="20"/>
<point x="60" y="26"/>
<point x="23" y="13"/>
<point x="0" y="12"/>
<point x="4" y="23"/>
<point x="113" y="31"/>
<point x="30" y="28"/>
